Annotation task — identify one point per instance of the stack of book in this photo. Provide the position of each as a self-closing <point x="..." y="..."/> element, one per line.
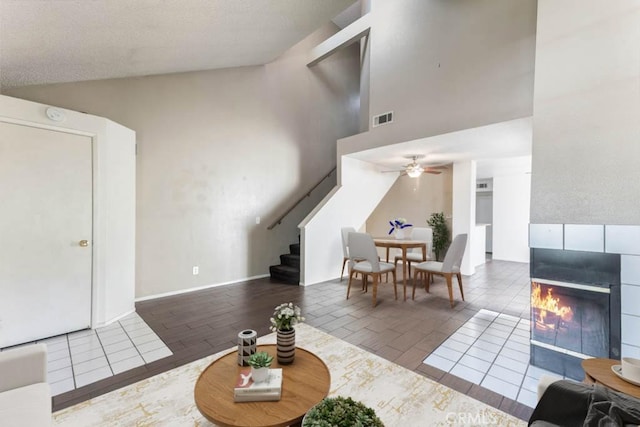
<point x="247" y="390"/>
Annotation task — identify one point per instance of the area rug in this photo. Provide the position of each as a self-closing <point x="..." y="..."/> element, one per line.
<point x="399" y="396"/>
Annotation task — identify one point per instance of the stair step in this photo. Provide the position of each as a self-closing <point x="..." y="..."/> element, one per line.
<point x="294" y="249"/>
<point x="290" y="260"/>
<point x="285" y="273"/>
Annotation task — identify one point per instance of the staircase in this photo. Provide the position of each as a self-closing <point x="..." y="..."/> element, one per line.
<point x="289" y="269"/>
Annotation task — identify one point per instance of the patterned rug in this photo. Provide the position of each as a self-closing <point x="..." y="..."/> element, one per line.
<point x="399" y="396"/>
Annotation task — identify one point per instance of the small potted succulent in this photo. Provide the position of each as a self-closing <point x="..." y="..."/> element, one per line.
<point x="341" y="411"/>
<point x="260" y="363"/>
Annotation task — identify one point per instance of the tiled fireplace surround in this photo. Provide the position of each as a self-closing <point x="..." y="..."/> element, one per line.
<point x="614" y="239"/>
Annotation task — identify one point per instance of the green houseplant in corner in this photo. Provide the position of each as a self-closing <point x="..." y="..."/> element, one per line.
<point x="341" y="412"/>
<point x="438" y="223"/>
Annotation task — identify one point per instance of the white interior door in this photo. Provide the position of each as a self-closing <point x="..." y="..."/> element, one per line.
<point x="45" y="217"/>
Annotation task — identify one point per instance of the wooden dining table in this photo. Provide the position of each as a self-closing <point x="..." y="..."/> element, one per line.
<point x="384" y="242"/>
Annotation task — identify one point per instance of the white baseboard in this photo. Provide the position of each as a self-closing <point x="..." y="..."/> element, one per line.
<point x="199" y="288"/>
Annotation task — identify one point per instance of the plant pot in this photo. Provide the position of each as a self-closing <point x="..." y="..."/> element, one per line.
<point x="259" y="374"/>
<point x="286" y="346"/>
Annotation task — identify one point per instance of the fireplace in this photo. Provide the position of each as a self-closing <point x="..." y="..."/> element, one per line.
<point x="575" y="309"/>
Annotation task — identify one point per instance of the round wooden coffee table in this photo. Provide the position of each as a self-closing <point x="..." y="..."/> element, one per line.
<point x="599" y="371"/>
<point x="304" y="384"/>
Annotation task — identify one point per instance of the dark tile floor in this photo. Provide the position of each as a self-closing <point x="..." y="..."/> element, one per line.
<point x="201" y="323"/>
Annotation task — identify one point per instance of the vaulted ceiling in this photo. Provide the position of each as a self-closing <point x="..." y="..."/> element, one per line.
<point x="53" y="41"/>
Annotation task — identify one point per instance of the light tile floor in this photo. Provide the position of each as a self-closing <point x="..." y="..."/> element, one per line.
<point x="492" y="350"/>
<point x="80" y="358"/>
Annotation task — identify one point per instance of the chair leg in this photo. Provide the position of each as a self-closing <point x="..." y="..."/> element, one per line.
<point x="351" y="273"/>
<point x="365" y="283"/>
<point x="408" y="268"/>
<point x="449" y="287"/>
<point x="344" y="262"/>
<point x="375" y="288"/>
<point x="395" y="284"/>
<point x="416" y="275"/>
<point x="427" y="280"/>
<point x="459" y="276"/>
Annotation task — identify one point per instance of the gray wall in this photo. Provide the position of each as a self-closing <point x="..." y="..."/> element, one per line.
<point x="443" y="66"/>
<point x="451" y="65"/>
<point x="586" y="133"/>
<point x="216" y="149"/>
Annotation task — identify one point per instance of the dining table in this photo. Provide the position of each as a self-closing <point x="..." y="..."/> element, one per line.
<point x="403" y="244"/>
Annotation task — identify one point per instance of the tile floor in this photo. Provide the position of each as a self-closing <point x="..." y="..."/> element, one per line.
<point x="492" y="350"/>
<point x="84" y="357"/>
<point x="197" y="324"/>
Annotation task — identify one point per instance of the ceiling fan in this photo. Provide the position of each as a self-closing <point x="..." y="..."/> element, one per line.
<point x="414" y="169"/>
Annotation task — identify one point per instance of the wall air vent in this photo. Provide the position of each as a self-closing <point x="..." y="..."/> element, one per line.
<point x="383" y="119"/>
<point x="484" y="185"/>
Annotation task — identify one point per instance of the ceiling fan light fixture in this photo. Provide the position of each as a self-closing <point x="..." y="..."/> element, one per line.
<point x="415" y="171"/>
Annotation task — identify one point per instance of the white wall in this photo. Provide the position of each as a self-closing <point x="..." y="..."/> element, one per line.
<point x="119" y="201"/>
<point x="113" y="280"/>
<point x="464" y="212"/>
<point x="511" y="204"/>
<point x="216" y="149"/>
<point x="361" y="188"/>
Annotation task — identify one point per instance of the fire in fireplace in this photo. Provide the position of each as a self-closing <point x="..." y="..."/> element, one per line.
<point x="571" y="317"/>
<point x="549" y="314"/>
<point x="575" y="309"/>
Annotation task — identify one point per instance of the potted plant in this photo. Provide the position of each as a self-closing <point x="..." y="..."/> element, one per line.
<point x="285" y="317"/>
<point x="438" y="224"/>
<point x="341" y="411"/>
<point x="260" y="362"/>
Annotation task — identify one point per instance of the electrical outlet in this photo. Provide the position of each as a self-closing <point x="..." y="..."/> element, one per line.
<point x="196" y="270"/>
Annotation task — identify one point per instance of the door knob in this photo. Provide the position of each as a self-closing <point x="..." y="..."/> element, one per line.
<point x="83" y="243"/>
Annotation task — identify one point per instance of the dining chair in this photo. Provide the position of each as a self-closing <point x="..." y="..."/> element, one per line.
<point x="361" y="247"/>
<point x="448" y="267"/>
<point x="423" y="234"/>
<point x="345" y="247"/>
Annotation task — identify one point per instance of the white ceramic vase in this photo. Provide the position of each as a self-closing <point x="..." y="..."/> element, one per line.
<point x="399" y="233"/>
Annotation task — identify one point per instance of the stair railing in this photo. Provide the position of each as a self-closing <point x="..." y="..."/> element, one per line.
<point x="294" y="205"/>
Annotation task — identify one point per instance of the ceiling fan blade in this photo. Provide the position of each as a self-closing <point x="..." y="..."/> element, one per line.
<point x="431" y="171"/>
<point x="391" y="171"/>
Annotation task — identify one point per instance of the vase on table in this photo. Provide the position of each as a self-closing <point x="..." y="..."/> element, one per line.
<point x="399" y="233"/>
<point x="286" y="346"/>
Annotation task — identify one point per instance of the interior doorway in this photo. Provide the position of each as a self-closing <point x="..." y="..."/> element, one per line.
<point x="45" y="232"/>
<point x="484" y="215"/>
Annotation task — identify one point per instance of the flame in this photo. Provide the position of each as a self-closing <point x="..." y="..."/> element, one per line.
<point x="548" y="304"/>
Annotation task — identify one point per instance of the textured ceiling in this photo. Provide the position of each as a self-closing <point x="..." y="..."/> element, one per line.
<point x="52" y="41"/>
<point x="484" y="144"/>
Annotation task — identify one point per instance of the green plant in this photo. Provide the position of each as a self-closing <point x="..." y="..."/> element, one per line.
<point x="438" y="224"/>
<point x="261" y="359"/>
<point x="341" y="412"/>
<point x="285" y="317"/>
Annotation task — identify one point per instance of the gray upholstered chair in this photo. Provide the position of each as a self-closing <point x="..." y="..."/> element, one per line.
<point x="448" y="267"/>
<point x="25" y="395"/>
<point x="423" y="234"/>
<point x="345" y="247"/>
<point x="361" y="247"/>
